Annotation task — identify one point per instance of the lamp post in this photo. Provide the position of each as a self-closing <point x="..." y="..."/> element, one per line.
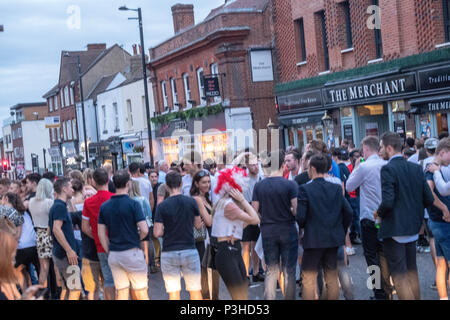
<point x="328" y="124"/>
<point x="144" y="71"/>
<point x="45" y="161"/>
<point x="82" y="108"/>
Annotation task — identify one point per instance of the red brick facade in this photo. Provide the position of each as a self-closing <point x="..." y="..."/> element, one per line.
<point x="407" y="27"/>
<point x="225" y="39"/>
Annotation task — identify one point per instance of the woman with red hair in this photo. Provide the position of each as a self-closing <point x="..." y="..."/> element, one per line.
<point x="231" y="215"/>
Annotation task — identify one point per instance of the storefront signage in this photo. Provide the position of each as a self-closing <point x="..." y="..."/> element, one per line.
<point x="128" y="146"/>
<point x="213" y="121"/>
<point x="373" y="89"/>
<point x="300" y="121"/>
<point x="299" y="100"/>
<point x="211" y="86"/>
<point x="52" y="122"/>
<point x="436" y="78"/>
<point x="261" y="63"/>
<point x="348" y="132"/>
<point x="437" y="106"/>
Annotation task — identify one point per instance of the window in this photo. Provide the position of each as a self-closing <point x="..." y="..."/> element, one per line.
<point x="55" y="102"/>
<point x="446" y="4"/>
<point x="58" y="131"/>
<point x="74" y="129"/>
<point x="325" y="39"/>
<point x="64" y="131"/>
<point x="71" y="95"/>
<point x="201" y="87"/>
<point x="50" y="104"/>
<point x="130" y="114"/>
<point x="173" y="86"/>
<point x="61" y="98"/>
<point x="301" y="40"/>
<point x="348" y="23"/>
<point x="104" y="119"/>
<point x="164" y="95"/>
<point x="69" y="129"/>
<point x="215" y="72"/>
<point x="187" y="90"/>
<point x="378" y="40"/>
<point x="116" y="117"/>
<point x="19" y="131"/>
<point x="66" y="96"/>
<point x="52" y="135"/>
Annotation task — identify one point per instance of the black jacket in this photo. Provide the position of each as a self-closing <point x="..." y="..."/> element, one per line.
<point x="405" y="193"/>
<point x="324" y="213"/>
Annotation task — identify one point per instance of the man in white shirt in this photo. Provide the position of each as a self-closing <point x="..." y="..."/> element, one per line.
<point x="441" y="168"/>
<point x="145" y="185"/>
<point x="163" y="168"/>
<point x="191" y="165"/>
<point x="366" y="177"/>
<point x="418" y="145"/>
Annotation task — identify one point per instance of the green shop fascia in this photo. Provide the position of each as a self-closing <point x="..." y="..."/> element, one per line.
<point x="408" y="95"/>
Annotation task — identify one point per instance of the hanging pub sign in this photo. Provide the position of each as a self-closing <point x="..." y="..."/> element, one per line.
<point x="211" y="86"/>
<point x="370" y="90"/>
<point x="434" y="79"/>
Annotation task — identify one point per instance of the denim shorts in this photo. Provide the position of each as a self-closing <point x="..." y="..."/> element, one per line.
<point x="175" y="264"/>
<point x="108" y="280"/>
<point x="441" y="232"/>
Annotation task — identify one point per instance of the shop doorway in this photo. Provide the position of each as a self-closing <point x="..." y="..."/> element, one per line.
<point x="373" y="120"/>
<point x="441" y="123"/>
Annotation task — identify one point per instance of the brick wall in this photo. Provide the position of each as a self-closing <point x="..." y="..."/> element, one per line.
<point x="408" y="27"/>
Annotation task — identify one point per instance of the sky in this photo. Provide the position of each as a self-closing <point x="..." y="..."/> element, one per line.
<point x="36" y="31"/>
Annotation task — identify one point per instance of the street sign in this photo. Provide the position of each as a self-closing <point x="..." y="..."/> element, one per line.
<point x="52" y="122"/>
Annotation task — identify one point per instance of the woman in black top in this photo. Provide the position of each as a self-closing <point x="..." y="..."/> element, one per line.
<point x="201" y="185"/>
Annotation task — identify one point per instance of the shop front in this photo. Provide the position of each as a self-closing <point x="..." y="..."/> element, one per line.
<point x="70" y="155"/>
<point x="208" y="136"/>
<point x="55" y="161"/>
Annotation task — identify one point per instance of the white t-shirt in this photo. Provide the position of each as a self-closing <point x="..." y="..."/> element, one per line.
<point x="145" y="187"/>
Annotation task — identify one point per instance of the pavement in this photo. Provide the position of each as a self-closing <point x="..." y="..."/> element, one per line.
<point x="357" y="271"/>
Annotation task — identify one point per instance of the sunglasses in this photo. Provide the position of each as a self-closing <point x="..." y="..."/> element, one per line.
<point x="203" y="173"/>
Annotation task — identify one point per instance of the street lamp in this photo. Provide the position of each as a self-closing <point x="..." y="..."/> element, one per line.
<point x="329" y="127"/>
<point x="144" y="71"/>
<point x="82" y="108"/>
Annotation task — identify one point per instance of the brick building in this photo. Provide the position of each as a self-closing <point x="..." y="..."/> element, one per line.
<point x="29" y="138"/>
<point x="63" y="99"/>
<point x="371" y="66"/>
<point x="233" y="46"/>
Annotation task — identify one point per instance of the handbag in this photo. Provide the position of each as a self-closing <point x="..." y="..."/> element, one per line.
<point x="209" y="257"/>
<point x="200" y="234"/>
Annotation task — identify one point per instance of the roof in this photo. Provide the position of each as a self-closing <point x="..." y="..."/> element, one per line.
<point x="100" y="86"/>
<point x="234" y="6"/>
<point x="53" y="91"/>
<point x="26" y="105"/>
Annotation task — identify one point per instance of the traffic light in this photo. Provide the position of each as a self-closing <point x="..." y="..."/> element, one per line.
<point x="5" y="165"/>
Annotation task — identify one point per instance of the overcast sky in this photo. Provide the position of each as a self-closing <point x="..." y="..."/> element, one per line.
<point x="36" y="31"/>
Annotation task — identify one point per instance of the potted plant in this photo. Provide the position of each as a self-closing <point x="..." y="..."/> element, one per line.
<point x="138" y="149"/>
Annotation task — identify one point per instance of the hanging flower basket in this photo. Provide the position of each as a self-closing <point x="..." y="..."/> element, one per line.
<point x="138" y="149"/>
<point x="79" y="158"/>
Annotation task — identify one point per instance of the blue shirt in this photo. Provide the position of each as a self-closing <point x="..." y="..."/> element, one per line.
<point x="59" y="212"/>
<point x="120" y="215"/>
<point x="335" y="171"/>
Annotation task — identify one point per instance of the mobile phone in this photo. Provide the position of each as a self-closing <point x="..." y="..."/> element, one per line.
<point x="362" y="160"/>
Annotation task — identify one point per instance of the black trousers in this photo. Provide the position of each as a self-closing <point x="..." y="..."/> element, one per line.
<point x="312" y="260"/>
<point x="373" y="252"/>
<point x="26" y="257"/>
<point x="231" y="268"/>
<point x="401" y="259"/>
<point x="200" y="245"/>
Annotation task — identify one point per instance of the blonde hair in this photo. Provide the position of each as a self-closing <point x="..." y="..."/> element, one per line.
<point x="88" y="174"/>
<point x="76" y="174"/>
<point x="135" y="190"/>
<point x="44" y="190"/>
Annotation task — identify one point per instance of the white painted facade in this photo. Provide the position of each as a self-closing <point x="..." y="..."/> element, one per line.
<point x="35" y="140"/>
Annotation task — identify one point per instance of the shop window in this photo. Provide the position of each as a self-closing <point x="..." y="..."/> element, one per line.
<point x="370" y="110"/>
<point x="300" y="141"/>
<point x="442" y="123"/>
<point x="425" y="125"/>
<point x="319" y="133"/>
<point x="291" y="137"/>
<point x="171" y="150"/>
<point x="309" y="134"/>
<point x="214" y="146"/>
<point x="446" y="5"/>
<point x="347" y="112"/>
<point x="398" y="106"/>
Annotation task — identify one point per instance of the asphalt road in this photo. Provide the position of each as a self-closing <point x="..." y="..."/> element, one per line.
<point x="357" y="270"/>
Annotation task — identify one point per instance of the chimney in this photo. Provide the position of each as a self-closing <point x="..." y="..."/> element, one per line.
<point x="96" y="46"/>
<point x="134" y="50"/>
<point x="183" y="16"/>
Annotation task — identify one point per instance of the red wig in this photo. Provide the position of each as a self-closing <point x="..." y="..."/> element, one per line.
<point x="229" y="176"/>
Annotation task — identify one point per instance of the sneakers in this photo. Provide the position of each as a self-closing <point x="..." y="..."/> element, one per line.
<point x="350" y="251"/>
<point x="258" y="278"/>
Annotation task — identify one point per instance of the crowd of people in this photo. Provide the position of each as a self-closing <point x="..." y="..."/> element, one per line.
<point x="287" y="218"/>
